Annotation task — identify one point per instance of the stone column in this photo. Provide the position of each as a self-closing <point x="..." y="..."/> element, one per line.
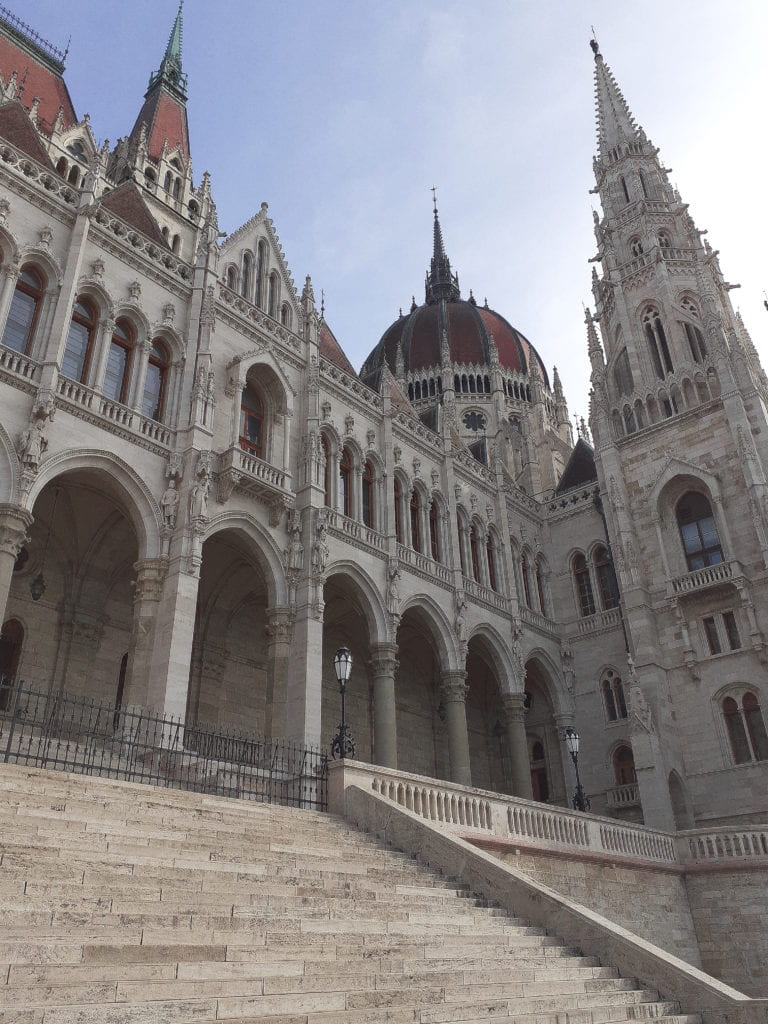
<point x="384" y="666"/>
<point x="15" y="523"/>
<point x="514" y="713"/>
<point x="147" y="590"/>
<point x="168" y="682"/>
<point x="279" y="633"/>
<point x="453" y="689"/>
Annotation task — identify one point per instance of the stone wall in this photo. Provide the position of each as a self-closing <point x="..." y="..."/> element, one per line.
<point x="649" y="902"/>
<point x="730" y="913"/>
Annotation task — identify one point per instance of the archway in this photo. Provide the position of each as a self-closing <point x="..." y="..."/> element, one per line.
<point x="486" y="722"/>
<point x="422" y="736"/>
<point x="544" y="747"/>
<point x="348" y="621"/>
<point x="229" y="670"/>
<point x="72" y="586"/>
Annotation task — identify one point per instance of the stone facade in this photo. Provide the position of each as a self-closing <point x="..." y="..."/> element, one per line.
<point x="200" y="499"/>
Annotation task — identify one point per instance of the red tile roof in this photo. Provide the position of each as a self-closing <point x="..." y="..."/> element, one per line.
<point x="164" y="118"/>
<point x="40" y="81"/>
<point x="16" y="128"/>
<point x="331" y="350"/>
<point x="127" y="203"/>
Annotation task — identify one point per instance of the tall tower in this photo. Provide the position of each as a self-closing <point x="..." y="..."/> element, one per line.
<point x="679" y="420"/>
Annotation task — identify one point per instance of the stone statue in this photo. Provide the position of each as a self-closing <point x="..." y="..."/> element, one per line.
<point x="170" y="504"/>
<point x="295" y="554"/>
<point x="33" y="444"/>
<point x="393" y="588"/>
<point x="320" y="550"/>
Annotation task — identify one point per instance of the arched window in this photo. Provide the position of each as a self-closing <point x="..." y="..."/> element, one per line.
<point x="540" y="587"/>
<point x="398" y="494"/>
<point x="434" y="533"/>
<point x="636" y="247"/>
<point x="490" y="554"/>
<point x="368" y="502"/>
<point x="155" y="382"/>
<point x="285" y="315"/>
<point x="474" y="552"/>
<point x="415" y="510"/>
<point x="606" y="578"/>
<point x="119" y="359"/>
<point x="175" y="243"/>
<point x="168" y="181"/>
<point x="698" y="532"/>
<point x="345" y="482"/>
<point x="624" y="766"/>
<point x="583" y="585"/>
<point x="657" y="343"/>
<point x="629" y="419"/>
<point x="643" y="184"/>
<point x="176" y="188"/>
<point x="745" y="726"/>
<point x="693" y="332"/>
<point x="613" y="697"/>
<point x="77" y="354"/>
<point x="61" y="166"/>
<point x="252" y="422"/>
<point x="462" y="544"/>
<point x="25" y="307"/>
<point x="526" y="581"/>
<point x="247" y="275"/>
<point x="231" y="278"/>
<point x="261" y="272"/>
<point x="74" y="175"/>
<point x="622" y="375"/>
<point x="624" y="188"/>
<point x="150" y="177"/>
<point x="326" y="471"/>
<point x="274" y="294"/>
<point x="664" y="241"/>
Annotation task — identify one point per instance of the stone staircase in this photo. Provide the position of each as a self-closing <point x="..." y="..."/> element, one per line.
<point x="127" y="904"/>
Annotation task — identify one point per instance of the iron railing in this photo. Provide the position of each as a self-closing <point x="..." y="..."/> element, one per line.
<point x="72" y="733"/>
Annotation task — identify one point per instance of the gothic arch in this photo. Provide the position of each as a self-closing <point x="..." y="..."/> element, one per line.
<point x="562" y="702"/>
<point x="90" y="288"/>
<point x="499" y="656"/>
<point x="371" y="605"/>
<point x="9" y="250"/>
<point x="140" y="505"/>
<point x="43" y="258"/>
<point x="9" y="468"/>
<point x="244" y="364"/>
<point x="441" y="628"/>
<point x="266" y="552"/>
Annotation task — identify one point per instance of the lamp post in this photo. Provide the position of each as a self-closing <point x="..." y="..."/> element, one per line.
<point x="580" y="799"/>
<point x="343" y="745"/>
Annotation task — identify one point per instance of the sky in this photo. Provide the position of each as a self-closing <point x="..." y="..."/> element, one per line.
<point x="341" y="114"/>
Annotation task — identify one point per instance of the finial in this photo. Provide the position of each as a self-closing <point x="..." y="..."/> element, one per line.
<point x="322" y="294"/>
<point x="413" y="303"/>
<point x="578" y="427"/>
<point x="594" y="44"/>
<point x="434" y="198"/>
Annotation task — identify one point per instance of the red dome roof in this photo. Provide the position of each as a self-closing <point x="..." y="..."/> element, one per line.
<point x="469" y="329"/>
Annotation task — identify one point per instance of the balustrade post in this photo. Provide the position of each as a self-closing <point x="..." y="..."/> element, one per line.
<point x="514" y="713"/>
<point x="384" y="665"/>
<point x="453" y="689"/>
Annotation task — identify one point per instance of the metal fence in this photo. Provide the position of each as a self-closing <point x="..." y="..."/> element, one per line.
<point x="78" y="734"/>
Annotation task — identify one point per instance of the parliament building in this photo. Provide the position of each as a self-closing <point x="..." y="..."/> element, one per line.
<point x="201" y="498"/>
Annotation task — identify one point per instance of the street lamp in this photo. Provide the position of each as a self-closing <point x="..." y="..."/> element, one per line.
<point x="580" y="799"/>
<point x="343" y="745"/>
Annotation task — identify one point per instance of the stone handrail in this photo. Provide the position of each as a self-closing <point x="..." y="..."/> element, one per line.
<point x="534" y="618"/>
<point x="17" y="364"/>
<point x="356" y="530"/>
<point x="700" y="579"/>
<point x="510" y="819"/>
<point x="122" y="415"/>
<point x="624" y="796"/>
<point x="424" y="564"/>
<point x="724" y="844"/>
<point x="480" y="592"/>
<point x="600" y="620"/>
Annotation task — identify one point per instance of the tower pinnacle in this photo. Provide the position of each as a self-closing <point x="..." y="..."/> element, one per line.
<point x="615" y="123"/>
<point x="441" y="283"/>
<point x="170" y="73"/>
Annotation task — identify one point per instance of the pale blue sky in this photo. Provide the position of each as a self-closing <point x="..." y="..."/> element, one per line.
<point x="341" y="115"/>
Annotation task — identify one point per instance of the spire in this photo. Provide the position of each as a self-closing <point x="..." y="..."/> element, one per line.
<point x="441" y="283"/>
<point x="170" y="74"/>
<point x="615" y="123"/>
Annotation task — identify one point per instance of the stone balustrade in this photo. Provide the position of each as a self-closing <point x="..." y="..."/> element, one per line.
<point x="17" y="365"/>
<point x="74" y="393"/>
<point x="493" y="818"/>
<point x="701" y="579"/>
<point x="627" y="795"/>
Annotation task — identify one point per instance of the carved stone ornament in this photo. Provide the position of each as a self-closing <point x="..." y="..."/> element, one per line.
<point x="46" y="237"/>
<point x="278" y="508"/>
<point x="435" y="477"/>
<point x="398" y="453"/>
<point x="294" y="553"/>
<point x="169" y="504"/>
<point x="370" y="437"/>
<point x="320" y="550"/>
<point x="453" y="687"/>
<point x="325" y="409"/>
<point x="169" y="313"/>
<point x="97" y="269"/>
<point x="393" y="587"/>
<point x="417" y="467"/>
<point x="349" y="424"/>
<point x="134" y="292"/>
<point x="226" y="482"/>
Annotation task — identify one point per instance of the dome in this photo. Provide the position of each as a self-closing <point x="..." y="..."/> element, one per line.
<point x="469" y="329"/>
<point x="416" y="340"/>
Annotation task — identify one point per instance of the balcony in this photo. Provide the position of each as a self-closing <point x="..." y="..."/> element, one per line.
<point x="704" y="579"/>
<point x="239" y="470"/>
<point x="88" y="404"/>
<point x="598" y="622"/>
<point x="356" y="532"/>
<point x="627" y="795"/>
<point x="485" y="595"/>
<point x="424" y="565"/>
<point x="533" y="618"/>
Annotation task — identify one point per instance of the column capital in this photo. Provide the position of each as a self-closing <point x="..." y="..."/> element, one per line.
<point x="150" y="577"/>
<point x="453" y="686"/>
<point x="384" y="659"/>
<point x="514" y="705"/>
<point x="279" y="626"/>
<point x="15" y="523"/>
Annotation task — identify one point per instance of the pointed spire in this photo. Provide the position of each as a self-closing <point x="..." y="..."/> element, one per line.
<point x="615" y="123"/>
<point x="441" y="283"/>
<point x="170" y="73"/>
<point x="557" y="385"/>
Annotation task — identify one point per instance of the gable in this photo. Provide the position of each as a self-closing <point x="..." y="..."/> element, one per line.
<point x="126" y="202"/>
<point x="16" y="128"/>
<point x="580" y="468"/>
